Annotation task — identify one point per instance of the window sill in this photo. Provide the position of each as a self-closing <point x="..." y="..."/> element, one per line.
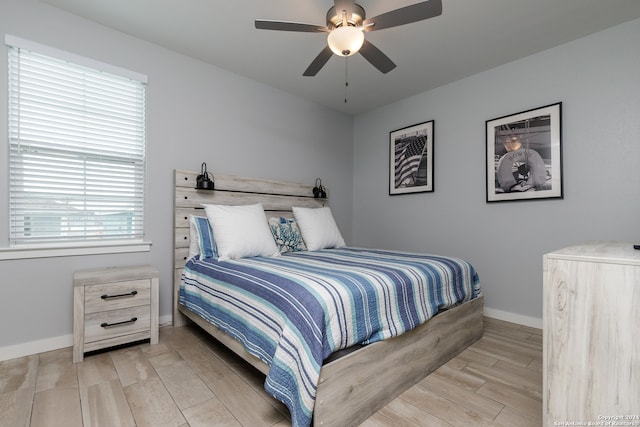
<point x="94" y="248"/>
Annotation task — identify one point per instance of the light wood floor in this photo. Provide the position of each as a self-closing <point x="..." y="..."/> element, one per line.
<point x="190" y="380"/>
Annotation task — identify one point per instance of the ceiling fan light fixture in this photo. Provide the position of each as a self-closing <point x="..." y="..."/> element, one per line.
<point x="345" y="41"/>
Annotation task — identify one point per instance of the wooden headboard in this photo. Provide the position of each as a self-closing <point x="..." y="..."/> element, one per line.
<point x="277" y="198"/>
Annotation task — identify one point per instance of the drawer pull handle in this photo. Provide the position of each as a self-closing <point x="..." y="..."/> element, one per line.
<point x="126" y="322"/>
<point x="130" y="294"/>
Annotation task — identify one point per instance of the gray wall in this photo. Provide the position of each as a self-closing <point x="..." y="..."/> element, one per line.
<point x="195" y="112"/>
<point x="597" y="78"/>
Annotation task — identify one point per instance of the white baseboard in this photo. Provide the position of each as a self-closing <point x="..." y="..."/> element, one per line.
<point x="165" y="320"/>
<point x="49" y="344"/>
<point x="35" y="347"/>
<point x="533" y="322"/>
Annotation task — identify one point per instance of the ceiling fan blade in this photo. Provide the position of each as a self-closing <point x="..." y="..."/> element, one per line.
<point x="404" y="15"/>
<point x="262" y="24"/>
<point x="319" y="62"/>
<point x="376" y="57"/>
<point x="346" y="5"/>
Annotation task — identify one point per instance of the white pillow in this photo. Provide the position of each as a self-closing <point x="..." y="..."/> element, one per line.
<point x="319" y="229"/>
<point x="241" y="231"/>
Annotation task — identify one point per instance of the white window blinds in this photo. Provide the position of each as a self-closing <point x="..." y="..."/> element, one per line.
<point x="76" y="152"/>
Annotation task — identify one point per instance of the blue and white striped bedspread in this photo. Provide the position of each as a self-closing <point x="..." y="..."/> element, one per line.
<point x="293" y="311"/>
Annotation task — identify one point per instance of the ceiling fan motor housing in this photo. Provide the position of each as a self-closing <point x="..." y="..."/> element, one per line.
<point x="334" y="17"/>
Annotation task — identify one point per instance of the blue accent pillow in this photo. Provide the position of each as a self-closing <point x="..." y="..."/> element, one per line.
<point x="287" y="235"/>
<point x="205" y="237"/>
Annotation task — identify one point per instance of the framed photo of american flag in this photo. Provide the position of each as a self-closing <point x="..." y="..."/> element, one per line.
<point x="411" y="159"/>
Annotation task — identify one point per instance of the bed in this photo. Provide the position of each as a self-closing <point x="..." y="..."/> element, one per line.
<point x="350" y="388"/>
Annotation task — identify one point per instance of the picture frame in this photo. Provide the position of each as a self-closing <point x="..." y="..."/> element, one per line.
<point x="411" y="159"/>
<point x="524" y="155"/>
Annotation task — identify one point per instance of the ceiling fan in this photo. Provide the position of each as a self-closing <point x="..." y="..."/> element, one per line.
<point x="346" y="25"/>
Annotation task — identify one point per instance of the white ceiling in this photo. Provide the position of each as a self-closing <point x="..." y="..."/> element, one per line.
<point x="469" y="37"/>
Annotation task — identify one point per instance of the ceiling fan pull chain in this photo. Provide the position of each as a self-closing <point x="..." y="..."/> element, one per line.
<point x="346" y="80"/>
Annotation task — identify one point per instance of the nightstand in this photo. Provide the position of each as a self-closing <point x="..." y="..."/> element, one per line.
<point x="113" y="306"/>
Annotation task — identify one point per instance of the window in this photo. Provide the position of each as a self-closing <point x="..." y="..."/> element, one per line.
<point x="76" y="148"/>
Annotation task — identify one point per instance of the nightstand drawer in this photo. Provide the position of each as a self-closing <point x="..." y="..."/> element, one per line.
<point x="113" y="296"/>
<point x="114" y="323"/>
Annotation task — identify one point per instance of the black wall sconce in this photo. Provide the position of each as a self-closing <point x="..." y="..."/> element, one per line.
<point x="318" y="190"/>
<point x="203" y="182"/>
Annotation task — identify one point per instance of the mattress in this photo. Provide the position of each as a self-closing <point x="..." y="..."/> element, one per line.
<point x="295" y="310"/>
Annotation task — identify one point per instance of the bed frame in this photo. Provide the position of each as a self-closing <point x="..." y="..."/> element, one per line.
<point x="352" y="387"/>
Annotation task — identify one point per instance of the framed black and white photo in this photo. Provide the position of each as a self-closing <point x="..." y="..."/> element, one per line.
<point x="524" y="155"/>
<point x="411" y="159"/>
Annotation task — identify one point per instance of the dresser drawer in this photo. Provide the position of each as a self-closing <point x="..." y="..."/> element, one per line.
<point x="113" y="296"/>
<point x="109" y="324"/>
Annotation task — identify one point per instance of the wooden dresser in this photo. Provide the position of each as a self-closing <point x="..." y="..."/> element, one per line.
<point x="113" y="306"/>
<point x="591" y="334"/>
